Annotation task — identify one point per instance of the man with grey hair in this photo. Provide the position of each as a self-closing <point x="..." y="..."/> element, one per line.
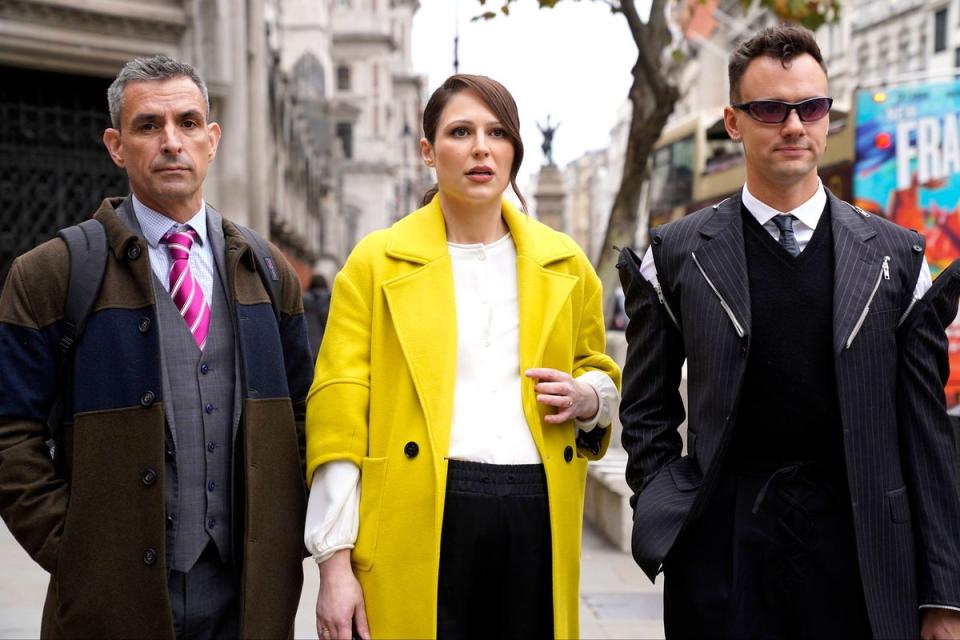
<point x="174" y="505"/>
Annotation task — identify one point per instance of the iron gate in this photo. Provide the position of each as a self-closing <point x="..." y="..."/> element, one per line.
<point x="54" y="169"/>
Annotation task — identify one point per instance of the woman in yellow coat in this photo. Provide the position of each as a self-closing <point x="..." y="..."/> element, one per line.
<point x="460" y="389"/>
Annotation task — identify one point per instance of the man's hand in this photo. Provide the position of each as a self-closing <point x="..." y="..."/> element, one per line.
<point x="340" y="600"/>
<point x="573" y="399"/>
<point x="939" y="624"/>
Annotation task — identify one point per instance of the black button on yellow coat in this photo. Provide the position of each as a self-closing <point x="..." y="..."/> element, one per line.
<point x="411" y="449"/>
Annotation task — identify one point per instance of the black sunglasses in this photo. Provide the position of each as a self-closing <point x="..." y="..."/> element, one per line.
<point x="777" y="111"/>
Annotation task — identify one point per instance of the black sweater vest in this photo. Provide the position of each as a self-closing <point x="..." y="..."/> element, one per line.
<point x="788" y="408"/>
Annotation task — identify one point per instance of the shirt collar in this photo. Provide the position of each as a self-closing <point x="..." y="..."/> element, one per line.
<point x="808" y="213"/>
<point x="155" y="224"/>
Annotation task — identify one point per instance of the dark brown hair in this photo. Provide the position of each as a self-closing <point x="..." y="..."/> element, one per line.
<point x="498" y="100"/>
<point x="783" y="42"/>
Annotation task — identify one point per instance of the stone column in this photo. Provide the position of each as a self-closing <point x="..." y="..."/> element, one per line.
<point x="550" y="197"/>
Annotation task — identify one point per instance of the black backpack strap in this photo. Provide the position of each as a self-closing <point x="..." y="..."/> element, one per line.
<point x="87" y="244"/>
<point x="266" y="266"/>
<point x="87" y="247"/>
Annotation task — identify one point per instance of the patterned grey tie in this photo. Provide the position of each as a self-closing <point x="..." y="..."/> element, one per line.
<point x="787" y="240"/>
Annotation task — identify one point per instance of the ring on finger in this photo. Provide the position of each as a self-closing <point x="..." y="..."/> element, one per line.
<point x="569" y="402"/>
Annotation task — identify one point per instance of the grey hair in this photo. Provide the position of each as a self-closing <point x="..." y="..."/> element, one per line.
<point x="158" y="67"/>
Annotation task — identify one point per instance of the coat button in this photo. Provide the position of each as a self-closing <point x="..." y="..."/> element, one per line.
<point x="657" y="240"/>
<point x="917" y="248"/>
<point x="144" y="325"/>
<point x="568" y="453"/>
<point x="133" y="251"/>
<point x="147" y="398"/>
<point x="149" y="477"/>
<point x="150" y="557"/>
<point x="411" y="449"/>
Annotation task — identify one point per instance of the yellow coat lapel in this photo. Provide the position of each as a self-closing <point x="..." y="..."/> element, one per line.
<point x="424" y="311"/>
<point x="542" y="294"/>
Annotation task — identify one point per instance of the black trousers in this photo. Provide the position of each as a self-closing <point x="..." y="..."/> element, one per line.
<point x="205" y="601"/>
<point x="495" y="560"/>
<point x="773" y="555"/>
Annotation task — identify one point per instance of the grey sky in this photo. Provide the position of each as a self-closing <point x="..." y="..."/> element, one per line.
<point x="572" y="62"/>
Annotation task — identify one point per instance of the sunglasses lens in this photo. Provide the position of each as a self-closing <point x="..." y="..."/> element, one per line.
<point x="768" y="111"/>
<point x="813" y="109"/>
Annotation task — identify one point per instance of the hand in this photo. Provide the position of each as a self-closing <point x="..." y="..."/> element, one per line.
<point x="939" y="624"/>
<point x="573" y="399"/>
<point x="340" y="600"/>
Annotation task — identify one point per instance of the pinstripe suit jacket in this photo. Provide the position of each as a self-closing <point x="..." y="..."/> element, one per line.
<point x="898" y="442"/>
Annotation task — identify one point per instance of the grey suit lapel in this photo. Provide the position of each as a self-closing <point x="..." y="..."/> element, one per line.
<point x="856" y="267"/>
<point x="723" y="261"/>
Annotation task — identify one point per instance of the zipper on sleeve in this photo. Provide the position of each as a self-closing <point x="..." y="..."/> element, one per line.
<point x="883" y="275"/>
<point x="723" y="303"/>
<point x="663" y="301"/>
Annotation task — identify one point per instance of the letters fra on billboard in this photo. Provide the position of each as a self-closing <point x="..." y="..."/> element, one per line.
<point x="908" y="169"/>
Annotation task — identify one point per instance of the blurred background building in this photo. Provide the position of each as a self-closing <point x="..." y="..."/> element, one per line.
<point x="318" y="101"/>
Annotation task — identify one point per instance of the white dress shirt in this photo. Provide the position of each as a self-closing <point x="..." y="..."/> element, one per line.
<point x="488" y="424"/>
<point x="807" y="216"/>
<point x="155" y="225"/>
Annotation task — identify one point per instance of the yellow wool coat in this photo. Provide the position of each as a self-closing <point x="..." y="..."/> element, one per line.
<point x="385" y="378"/>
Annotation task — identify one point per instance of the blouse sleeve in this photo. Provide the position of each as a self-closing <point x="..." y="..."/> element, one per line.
<point x="609" y="400"/>
<point x="333" y="510"/>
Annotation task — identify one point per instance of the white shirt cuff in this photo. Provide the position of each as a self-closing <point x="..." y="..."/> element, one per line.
<point x="333" y="510"/>
<point x="608" y="396"/>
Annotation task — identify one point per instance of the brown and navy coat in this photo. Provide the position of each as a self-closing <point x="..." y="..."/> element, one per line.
<point x="95" y="519"/>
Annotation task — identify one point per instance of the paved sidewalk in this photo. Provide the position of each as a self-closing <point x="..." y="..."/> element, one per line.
<point x="616" y="599"/>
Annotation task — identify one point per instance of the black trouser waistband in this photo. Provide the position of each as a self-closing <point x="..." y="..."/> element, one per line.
<point x="496" y="479"/>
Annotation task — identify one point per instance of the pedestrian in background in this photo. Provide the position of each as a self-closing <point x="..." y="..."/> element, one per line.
<point x="818" y="497"/>
<point x="316" y="306"/>
<point x="461" y="387"/>
<point x="174" y="505"/>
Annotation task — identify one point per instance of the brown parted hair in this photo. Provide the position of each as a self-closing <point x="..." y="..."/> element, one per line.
<point x="497" y="99"/>
<point x="783" y="42"/>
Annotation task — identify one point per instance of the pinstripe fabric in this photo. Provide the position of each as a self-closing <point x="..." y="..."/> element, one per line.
<point x="898" y="447"/>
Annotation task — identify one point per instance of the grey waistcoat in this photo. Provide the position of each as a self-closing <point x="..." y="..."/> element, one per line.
<point x="201" y="389"/>
<point x="202" y="404"/>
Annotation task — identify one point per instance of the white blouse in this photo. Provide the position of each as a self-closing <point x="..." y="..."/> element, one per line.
<point x="488" y="421"/>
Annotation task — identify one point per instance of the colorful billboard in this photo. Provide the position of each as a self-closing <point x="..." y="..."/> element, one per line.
<point x="908" y="169"/>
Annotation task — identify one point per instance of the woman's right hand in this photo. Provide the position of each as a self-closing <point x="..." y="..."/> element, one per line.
<point x="340" y="600"/>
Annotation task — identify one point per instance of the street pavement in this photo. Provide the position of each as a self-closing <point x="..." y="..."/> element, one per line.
<point x="616" y="599"/>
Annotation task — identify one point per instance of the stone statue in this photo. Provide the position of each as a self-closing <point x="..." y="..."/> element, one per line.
<point x="547" y="146"/>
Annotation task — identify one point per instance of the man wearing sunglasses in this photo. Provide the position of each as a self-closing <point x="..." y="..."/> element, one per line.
<point x="818" y="494"/>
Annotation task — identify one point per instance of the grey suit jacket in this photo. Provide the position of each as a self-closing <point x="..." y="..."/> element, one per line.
<point x="899" y="446"/>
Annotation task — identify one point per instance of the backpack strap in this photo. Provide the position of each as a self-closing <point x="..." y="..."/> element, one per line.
<point x="87" y="244"/>
<point x="266" y="266"/>
<point x="87" y="247"/>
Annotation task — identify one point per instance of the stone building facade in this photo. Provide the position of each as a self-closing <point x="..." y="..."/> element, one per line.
<point x="318" y="102"/>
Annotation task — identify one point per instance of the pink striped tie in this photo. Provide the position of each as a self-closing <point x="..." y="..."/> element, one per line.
<point x="184" y="288"/>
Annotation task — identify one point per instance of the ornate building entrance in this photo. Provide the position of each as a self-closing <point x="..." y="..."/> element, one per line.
<point x="54" y="169"/>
